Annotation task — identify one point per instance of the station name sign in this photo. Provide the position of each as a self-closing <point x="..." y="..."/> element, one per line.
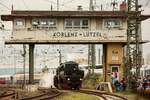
<point x="72" y="36"/>
<point x="87" y="35"/>
<point x="69" y="34"/>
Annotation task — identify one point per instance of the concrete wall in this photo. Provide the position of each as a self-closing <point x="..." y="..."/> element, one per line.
<point x="114" y="57"/>
<point x="95" y="25"/>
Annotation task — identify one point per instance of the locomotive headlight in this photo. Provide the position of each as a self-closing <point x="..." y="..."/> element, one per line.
<point x="68" y="79"/>
<point x="80" y="79"/>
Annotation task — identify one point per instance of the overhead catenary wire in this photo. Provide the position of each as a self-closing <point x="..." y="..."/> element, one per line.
<point x="70" y="1"/>
<point x="67" y="4"/>
<point x="4" y="6"/>
<point x="59" y="4"/>
<point x="25" y="5"/>
<point x="147" y="4"/>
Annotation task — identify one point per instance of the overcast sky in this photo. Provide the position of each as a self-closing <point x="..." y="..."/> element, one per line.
<point x="46" y="4"/>
<point x="5" y="7"/>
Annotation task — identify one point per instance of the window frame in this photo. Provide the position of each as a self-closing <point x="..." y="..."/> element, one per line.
<point x="115" y="56"/>
<point x="68" y="27"/>
<point x="44" y="26"/>
<point x="73" y="26"/>
<point x="112" y="21"/>
<point x="19" y="26"/>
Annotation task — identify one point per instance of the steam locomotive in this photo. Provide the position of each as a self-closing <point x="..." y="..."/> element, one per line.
<point x="68" y="76"/>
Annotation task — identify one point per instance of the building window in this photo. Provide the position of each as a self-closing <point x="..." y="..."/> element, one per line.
<point x="112" y="23"/>
<point x="44" y="23"/>
<point x="84" y="23"/>
<point x="68" y="23"/>
<point x="115" y="56"/>
<point x="52" y="23"/>
<point x="35" y="23"/>
<point x="20" y="23"/>
<point x="76" y="23"/>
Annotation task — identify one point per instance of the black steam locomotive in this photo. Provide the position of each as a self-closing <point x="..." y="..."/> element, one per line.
<point x="68" y="76"/>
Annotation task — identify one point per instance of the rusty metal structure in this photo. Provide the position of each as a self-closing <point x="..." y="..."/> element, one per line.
<point x="91" y="47"/>
<point x="134" y="52"/>
<point x="91" y="57"/>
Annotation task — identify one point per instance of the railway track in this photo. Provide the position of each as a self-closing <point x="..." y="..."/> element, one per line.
<point x="45" y="95"/>
<point x="103" y="95"/>
<point x="8" y="95"/>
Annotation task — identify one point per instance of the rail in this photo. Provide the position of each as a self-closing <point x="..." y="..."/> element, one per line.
<point x="45" y="95"/>
<point x="8" y="95"/>
<point x="103" y="95"/>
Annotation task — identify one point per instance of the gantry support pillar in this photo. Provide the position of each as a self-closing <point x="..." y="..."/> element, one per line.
<point x="104" y="62"/>
<point x="31" y="63"/>
<point x="112" y="61"/>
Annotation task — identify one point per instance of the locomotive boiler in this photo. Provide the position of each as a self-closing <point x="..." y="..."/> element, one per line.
<point x="68" y="76"/>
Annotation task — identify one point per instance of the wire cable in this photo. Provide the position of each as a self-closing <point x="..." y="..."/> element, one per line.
<point x="4" y="6"/>
<point x="25" y="5"/>
<point x="147" y="4"/>
<point x="60" y="4"/>
<point x="70" y="1"/>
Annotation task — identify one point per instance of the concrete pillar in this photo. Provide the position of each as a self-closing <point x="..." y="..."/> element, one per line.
<point x="104" y="63"/>
<point x="31" y="63"/>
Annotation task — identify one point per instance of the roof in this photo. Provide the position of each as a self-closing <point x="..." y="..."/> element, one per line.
<point x="76" y="14"/>
<point x="54" y="14"/>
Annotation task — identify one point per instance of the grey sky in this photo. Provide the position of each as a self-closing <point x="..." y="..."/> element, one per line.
<point x="46" y="4"/>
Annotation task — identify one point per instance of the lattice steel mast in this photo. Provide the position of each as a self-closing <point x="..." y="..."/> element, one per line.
<point x="134" y="53"/>
<point x="91" y="47"/>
